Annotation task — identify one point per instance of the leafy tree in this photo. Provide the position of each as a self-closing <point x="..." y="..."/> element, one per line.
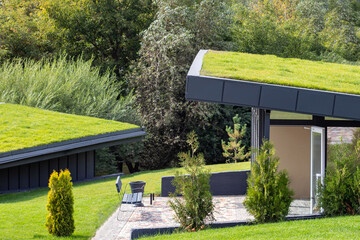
<point x="106" y="29"/>
<point x="234" y="149"/>
<point x="168" y="47"/>
<point x="24" y="30"/>
<point x="196" y="205"/>
<point x="268" y="196"/>
<point x="60" y="206"/>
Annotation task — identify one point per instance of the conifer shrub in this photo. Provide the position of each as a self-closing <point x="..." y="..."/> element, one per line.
<point x="195" y="206"/>
<point x="268" y="196"/>
<point x="234" y="149"/>
<point x="60" y="205"/>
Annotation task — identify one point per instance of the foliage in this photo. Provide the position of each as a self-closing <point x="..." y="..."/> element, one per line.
<point x="196" y="204"/>
<point x="233" y="149"/>
<point x="299" y="28"/>
<point x="24" y="30"/>
<point x="214" y="131"/>
<point x="69" y="86"/>
<point x="168" y="47"/>
<point x="268" y="196"/>
<point x="340" y="194"/>
<point x="282" y="71"/>
<point x="60" y="206"/>
<point x="108" y="30"/>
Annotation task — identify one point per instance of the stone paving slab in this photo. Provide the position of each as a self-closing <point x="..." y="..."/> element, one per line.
<point x="158" y="215"/>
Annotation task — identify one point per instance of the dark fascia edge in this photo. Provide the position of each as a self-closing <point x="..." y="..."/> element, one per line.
<point x="142" y="232"/>
<point x="53" y="150"/>
<point x="343" y="100"/>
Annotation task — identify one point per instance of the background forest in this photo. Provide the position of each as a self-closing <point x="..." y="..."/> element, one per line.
<point x="127" y="60"/>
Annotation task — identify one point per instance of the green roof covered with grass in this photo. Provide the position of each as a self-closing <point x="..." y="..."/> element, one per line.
<point x="24" y="127"/>
<point x="282" y="71"/>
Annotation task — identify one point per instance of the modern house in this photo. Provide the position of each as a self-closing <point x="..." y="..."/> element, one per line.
<point x="35" y="142"/>
<point x="293" y="103"/>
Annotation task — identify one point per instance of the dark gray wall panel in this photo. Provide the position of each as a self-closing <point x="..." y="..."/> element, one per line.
<point x="315" y="102"/>
<point x="81" y="166"/>
<point x="73" y="166"/>
<point x="63" y="163"/>
<point x="4" y="182"/>
<point x="34" y="175"/>
<point x="347" y="106"/>
<point x="222" y="183"/>
<point x="204" y="89"/>
<point x="24" y="177"/>
<point x="44" y="173"/>
<point x="53" y="165"/>
<point x="239" y="93"/>
<point x="14" y="178"/>
<point x="90" y="158"/>
<point x="278" y="97"/>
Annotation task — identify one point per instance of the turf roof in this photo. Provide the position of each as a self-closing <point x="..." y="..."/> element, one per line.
<point x="282" y="71"/>
<point x="24" y="127"/>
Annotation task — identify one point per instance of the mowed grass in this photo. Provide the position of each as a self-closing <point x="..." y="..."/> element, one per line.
<point x="23" y="215"/>
<point x="327" y="228"/>
<point x="282" y="71"/>
<point x="24" y="127"/>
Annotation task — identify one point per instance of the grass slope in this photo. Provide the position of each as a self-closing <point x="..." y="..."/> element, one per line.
<point x="23" y="127"/>
<point x="328" y="228"/>
<point x="23" y="215"/>
<point x="282" y="71"/>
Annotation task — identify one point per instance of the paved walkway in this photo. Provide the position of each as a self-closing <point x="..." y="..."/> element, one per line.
<point x="227" y="208"/>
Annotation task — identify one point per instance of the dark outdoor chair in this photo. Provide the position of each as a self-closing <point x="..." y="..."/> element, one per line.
<point x="134" y="198"/>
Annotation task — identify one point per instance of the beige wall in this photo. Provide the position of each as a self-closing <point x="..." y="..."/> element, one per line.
<point x="293" y="146"/>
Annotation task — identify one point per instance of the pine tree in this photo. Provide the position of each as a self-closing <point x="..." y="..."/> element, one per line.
<point x="234" y="149"/>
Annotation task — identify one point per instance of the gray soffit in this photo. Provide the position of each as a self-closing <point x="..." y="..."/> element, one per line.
<point x="59" y="149"/>
<point x="268" y="96"/>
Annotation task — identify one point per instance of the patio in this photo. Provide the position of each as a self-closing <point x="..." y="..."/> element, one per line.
<point x="160" y="215"/>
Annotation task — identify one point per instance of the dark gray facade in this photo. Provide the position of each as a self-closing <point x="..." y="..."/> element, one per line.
<point x="35" y="175"/>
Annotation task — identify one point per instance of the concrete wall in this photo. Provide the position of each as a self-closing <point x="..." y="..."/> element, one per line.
<point x="35" y="175"/>
<point x="293" y="146"/>
<point x="221" y="183"/>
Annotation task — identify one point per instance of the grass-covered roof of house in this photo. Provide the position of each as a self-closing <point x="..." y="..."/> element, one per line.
<point x="282" y="71"/>
<point x="23" y="127"/>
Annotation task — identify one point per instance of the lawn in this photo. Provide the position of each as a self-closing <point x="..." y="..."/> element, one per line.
<point x="282" y="71"/>
<point x="24" y="127"/>
<point x="22" y="215"/>
<point x="328" y="228"/>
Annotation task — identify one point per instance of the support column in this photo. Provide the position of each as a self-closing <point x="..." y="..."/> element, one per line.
<point x="260" y="128"/>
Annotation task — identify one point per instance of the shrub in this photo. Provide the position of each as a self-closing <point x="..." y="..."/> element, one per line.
<point x="196" y="205"/>
<point x="340" y="194"/>
<point x="234" y="149"/>
<point x="268" y="195"/>
<point x="60" y="205"/>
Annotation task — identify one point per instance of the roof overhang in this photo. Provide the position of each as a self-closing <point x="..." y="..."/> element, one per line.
<point x="268" y="96"/>
<point x="54" y="150"/>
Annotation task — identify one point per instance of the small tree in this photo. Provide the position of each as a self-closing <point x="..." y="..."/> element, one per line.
<point x="268" y="195"/>
<point x="233" y="149"/>
<point x="60" y="205"/>
<point x="196" y="205"/>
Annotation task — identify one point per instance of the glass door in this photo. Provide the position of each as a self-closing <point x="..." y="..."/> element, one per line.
<point x="317" y="165"/>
